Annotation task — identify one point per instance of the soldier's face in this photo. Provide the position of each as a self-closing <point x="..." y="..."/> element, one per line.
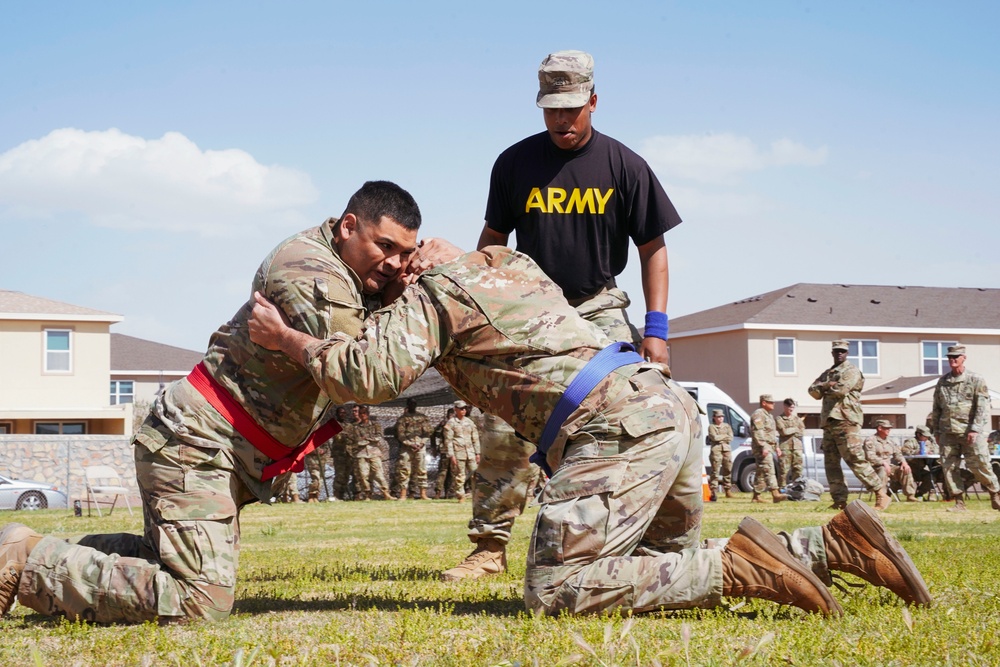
<point x="570" y="129"/>
<point x="789" y="410"/>
<point x="717" y="419"/>
<point x="839" y="356"/>
<point x="957" y="364"/>
<point x="377" y="252"/>
<point x="459" y="413"/>
<point x="882" y="431"/>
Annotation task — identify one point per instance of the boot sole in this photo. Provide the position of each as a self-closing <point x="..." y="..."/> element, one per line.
<point x="759" y="533"/>
<point x="867" y="523"/>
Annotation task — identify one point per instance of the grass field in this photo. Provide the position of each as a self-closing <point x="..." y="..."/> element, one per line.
<point x="356" y="584"/>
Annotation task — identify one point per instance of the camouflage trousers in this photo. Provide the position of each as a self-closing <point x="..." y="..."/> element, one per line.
<point x="316" y="462"/>
<point x="842" y="440"/>
<point x="463" y="470"/>
<point x="504" y="474"/>
<point x="343" y="468"/>
<point x="369" y="473"/>
<point x="764" y="477"/>
<point x="288" y="490"/>
<point x="720" y="457"/>
<point x="898" y="479"/>
<point x="446" y="473"/>
<point x="184" y="564"/>
<point x="620" y="519"/>
<point x="793" y="459"/>
<point x="411" y="462"/>
<point x="955" y="446"/>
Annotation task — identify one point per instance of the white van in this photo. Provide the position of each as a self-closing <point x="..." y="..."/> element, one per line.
<point x="710" y="398"/>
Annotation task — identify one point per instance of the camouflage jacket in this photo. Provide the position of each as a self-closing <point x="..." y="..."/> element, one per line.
<point x="911" y="447"/>
<point x="461" y="438"/>
<point x="719" y="434"/>
<point x="413" y="429"/>
<point x="878" y="452"/>
<point x="961" y="405"/>
<point x="789" y="430"/>
<point x="497" y="329"/>
<point x="305" y="277"/>
<point x="364" y="441"/>
<point x="762" y="429"/>
<point x="340" y="441"/>
<point x="842" y="401"/>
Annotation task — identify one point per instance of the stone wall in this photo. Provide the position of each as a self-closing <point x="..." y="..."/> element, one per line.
<point x="60" y="460"/>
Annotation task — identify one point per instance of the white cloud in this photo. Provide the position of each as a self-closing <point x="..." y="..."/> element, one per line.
<point x="127" y="182"/>
<point x="719" y="158"/>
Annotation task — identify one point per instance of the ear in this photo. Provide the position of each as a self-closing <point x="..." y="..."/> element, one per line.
<point x="593" y="103"/>
<point x="347" y="228"/>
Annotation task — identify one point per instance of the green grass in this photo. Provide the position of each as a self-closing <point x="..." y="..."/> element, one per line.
<point x="356" y="584"/>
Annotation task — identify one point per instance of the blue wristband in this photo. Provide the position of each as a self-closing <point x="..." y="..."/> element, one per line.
<point x="657" y="325"/>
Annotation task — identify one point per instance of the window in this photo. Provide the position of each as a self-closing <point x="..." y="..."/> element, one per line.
<point x="6" y="427"/>
<point x="122" y="391"/>
<point x="786" y="355"/>
<point x="864" y="355"/>
<point x="934" y="357"/>
<point x="60" y="428"/>
<point x="57" y="350"/>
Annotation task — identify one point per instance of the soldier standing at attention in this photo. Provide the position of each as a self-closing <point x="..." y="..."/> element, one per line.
<point x="316" y="462"/>
<point x="461" y="444"/>
<point x="343" y="462"/>
<point x="576" y="200"/>
<point x="790" y="429"/>
<point x="765" y="441"/>
<point x="619" y="521"/>
<point x="840" y="388"/>
<point x="886" y="457"/>
<point x="720" y="435"/>
<point x="445" y="472"/>
<point x="412" y="430"/>
<point x="961" y="419"/>
<point x="365" y="445"/>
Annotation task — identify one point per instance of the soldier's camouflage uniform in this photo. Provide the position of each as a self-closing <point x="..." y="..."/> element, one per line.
<point x="504" y="474"/>
<point x="882" y="451"/>
<point x="620" y="519"/>
<point x="343" y="463"/>
<point x="720" y="455"/>
<point x="841" y="418"/>
<point x="764" y="440"/>
<point x="961" y="407"/>
<point x="365" y="444"/>
<point x="412" y="430"/>
<point x="922" y="475"/>
<point x="790" y="430"/>
<point x="316" y="463"/>
<point x="194" y="471"/>
<point x="461" y="442"/>
<point x="289" y="489"/>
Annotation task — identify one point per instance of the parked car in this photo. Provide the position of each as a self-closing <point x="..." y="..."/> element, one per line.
<point x="18" y="494"/>
<point x="744" y="466"/>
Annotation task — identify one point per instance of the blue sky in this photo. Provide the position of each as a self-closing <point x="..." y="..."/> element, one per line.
<point x="152" y="153"/>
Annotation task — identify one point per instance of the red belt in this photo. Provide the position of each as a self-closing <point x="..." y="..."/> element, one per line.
<point x="265" y="443"/>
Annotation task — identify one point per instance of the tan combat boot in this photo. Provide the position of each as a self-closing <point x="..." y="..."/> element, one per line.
<point x="857" y="542"/>
<point x="757" y="564"/>
<point x="995" y="500"/>
<point x="489" y="557"/>
<point x="882" y="499"/>
<point x="778" y="496"/>
<point x="461" y="497"/>
<point x="756" y="498"/>
<point x="16" y="542"/>
<point x="839" y="505"/>
<point x="402" y="494"/>
<point x="423" y="494"/>
<point x="911" y="499"/>
<point x="959" y="504"/>
<point x="730" y="494"/>
<point x="295" y="498"/>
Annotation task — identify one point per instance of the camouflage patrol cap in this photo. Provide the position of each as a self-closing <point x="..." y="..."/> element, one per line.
<point x="461" y="404"/>
<point x="956" y="350"/>
<point x="884" y="423"/>
<point x="922" y="430"/>
<point x="717" y="413"/>
<point x="841" y="345"/>
<point x="766" y="398"/>
<point x="565" y="80"/>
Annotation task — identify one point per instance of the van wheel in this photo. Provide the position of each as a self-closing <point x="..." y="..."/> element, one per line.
<point x="747" y="473"/>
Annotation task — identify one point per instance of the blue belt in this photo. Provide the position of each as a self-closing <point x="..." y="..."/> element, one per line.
<point x="613" y="356"/>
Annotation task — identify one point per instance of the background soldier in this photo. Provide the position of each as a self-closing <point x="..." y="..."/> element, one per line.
<point x="922" y="444"/>
<point x="412" y="430"/>
<point x="790" y="429"/>
<point x="316" y="465"/>
<point x="461" y="443"/>
<point x="365" y="445"/>
<point x="290" y="489"/>
<point x="886" y="457"/>
<point x="765" y="442"/>
<point x="720" y="435"/>
<point x="445" y="473"/>
<point x="961" y="419"/>
<point x="840" y="388"/>
<point x="343" y="462"/>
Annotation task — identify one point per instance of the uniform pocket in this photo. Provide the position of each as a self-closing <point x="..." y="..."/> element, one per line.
<point x="196" y="536"/>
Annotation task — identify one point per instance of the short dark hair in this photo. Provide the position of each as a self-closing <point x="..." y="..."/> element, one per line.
<point x="790" y="402"/>
<point x="363" y="409"/>
<point x="376" y="199"/>
<point x="411" y="402"/>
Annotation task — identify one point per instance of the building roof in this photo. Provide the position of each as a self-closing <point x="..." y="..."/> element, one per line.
<point x="135" y="354"/>
<point x="21" y="306"/>
<point x="901" y="387"/>
<point x="847" y="306"/>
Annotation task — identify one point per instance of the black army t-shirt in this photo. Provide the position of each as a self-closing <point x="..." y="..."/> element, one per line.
<point x="575" y="211"/>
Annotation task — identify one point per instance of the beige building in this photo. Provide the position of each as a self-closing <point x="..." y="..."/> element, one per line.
<point x="54" y="369"/>
<point x="140" y="369"/>
<point x="779" y="342"/>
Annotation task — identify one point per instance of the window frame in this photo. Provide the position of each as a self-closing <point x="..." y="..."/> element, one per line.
<point x="61" y="425"/>
<point x="778" y="356"/>
<point x="68" y="352"/>
<point x="858" y="360"/>
<point x="6" y="428"/>
<point x="942" y="359"/>
<point x="117" y="394"/>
